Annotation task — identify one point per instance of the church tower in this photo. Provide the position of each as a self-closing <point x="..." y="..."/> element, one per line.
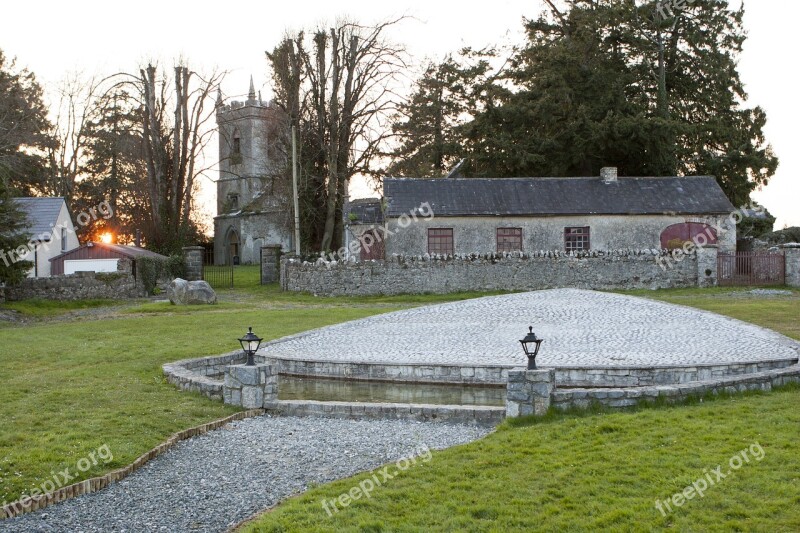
<point x="253" y="197"/>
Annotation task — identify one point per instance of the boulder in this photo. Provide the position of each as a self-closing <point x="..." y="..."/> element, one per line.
<point x="182" y="292"/>
<point x="176" y="291"/>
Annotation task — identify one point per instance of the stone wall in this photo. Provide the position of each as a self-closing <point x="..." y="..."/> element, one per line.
<point x="78" y="286"/>
<point x="621" y="269"/>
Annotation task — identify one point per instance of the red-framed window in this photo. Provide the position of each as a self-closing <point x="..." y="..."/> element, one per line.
<point x="509" y="239"/>
<point x="576" y="238"/>
<point x="440" y="240"/>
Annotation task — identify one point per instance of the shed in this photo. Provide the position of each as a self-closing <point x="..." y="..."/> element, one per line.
<point x="98" y="257"/>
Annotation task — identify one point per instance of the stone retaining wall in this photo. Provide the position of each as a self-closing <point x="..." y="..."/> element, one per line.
<point x="621" y="269"/>
<point x="666" y="375"/>
<point x="78" y="286"/>
<point x="496" y="375"/>
<point x="203" y="374"/>
<point x="473" y="415"/>
<point x="627" y="397"/>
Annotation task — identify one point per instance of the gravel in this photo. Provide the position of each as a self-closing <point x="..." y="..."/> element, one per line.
<point x="771" y="292"/>
<point x="216" y="480"/>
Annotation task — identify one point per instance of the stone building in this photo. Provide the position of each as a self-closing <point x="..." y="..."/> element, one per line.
<point x="253" y="192"/>
<point x="476" y="215"/>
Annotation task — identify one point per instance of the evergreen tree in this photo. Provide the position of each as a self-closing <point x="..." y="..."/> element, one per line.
<point x="24" y="128"/>
<point x="13" y="224"/>
<point x="613" y="82"/>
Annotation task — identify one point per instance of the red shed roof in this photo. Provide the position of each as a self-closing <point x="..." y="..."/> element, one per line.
<point x="132" y="252"/>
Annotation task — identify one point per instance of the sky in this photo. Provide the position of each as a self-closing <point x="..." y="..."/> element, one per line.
<point x="54" y="38"/>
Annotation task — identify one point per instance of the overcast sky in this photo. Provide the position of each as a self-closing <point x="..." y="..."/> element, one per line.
<point x="55" y="37"/>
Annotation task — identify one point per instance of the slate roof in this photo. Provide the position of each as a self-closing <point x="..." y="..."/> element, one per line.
<point x="699" y="195"/>
<point x="42" y="213"/>
<point x="366" y="210"/>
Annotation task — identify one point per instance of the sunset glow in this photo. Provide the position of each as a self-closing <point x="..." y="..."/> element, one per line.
<point x="107" y="238"/>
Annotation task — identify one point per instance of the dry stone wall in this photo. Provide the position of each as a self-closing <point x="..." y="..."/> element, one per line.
<point x="78" y="286"/>
<point x="620" y="269"/>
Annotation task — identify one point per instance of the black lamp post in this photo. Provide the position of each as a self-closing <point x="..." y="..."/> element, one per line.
<point x="530" y="344"/>
<point x="250" y="343"/>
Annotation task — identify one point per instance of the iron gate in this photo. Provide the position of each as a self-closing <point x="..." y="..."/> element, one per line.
<point x="751" y="268"/>
<point x="218" y="276"/>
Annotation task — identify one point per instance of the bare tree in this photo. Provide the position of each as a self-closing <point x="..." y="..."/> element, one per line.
<point x="77" y="101"/>
<point x="340" y="95"/>
<point x="176" y="121"/>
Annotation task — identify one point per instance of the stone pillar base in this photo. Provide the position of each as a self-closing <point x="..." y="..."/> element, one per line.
<point x="270" y="263"/>
<point x="792" y="252"/>
<point x="529" y="392"/>
<point x="250" y="386"/>
<point x="193" y="261"/>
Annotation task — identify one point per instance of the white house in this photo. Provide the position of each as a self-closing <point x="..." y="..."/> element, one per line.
<point x="50" y="230"/>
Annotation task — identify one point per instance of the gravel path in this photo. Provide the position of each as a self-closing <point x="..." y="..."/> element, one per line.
<point x="213" y="481"/>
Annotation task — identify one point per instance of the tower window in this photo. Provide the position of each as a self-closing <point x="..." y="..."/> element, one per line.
<point x="237" y="144"/>
<point x="233" y="201"/>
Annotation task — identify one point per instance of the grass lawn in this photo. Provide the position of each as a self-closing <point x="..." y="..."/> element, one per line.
<point x="598" y="471"/>
<point x="72" y="386"/>
<point x="69" y="387"/>
<point x="38" y="308"/>
<point x="781" y="313"/>
<point x="593" y="472"/>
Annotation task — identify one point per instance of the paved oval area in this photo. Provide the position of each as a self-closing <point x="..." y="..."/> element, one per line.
<point x="580" y="328"/>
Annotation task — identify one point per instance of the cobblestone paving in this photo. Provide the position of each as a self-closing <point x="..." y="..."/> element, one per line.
<point x="580" y="328"/>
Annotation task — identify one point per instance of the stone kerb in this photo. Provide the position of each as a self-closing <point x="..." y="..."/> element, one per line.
<point x="251" y="387"/>
<point x="530" y="392"/>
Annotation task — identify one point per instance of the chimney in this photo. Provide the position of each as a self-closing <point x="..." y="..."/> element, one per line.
<point x="138" y="241"/>
<point x="608" y="174"/>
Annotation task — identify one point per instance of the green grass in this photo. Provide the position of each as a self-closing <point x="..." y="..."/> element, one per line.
<point x="593" y="472"/>
<point x="70" y="387"/>
<point x="781" y="313"/>
<point x="38" y="308"/>
<point x="597" y="471"/>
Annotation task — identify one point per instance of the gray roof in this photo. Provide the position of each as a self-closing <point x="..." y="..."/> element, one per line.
<point x="42" y="213"/>
<point x="366" y="211"/>
<point x="699" y="195"/>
